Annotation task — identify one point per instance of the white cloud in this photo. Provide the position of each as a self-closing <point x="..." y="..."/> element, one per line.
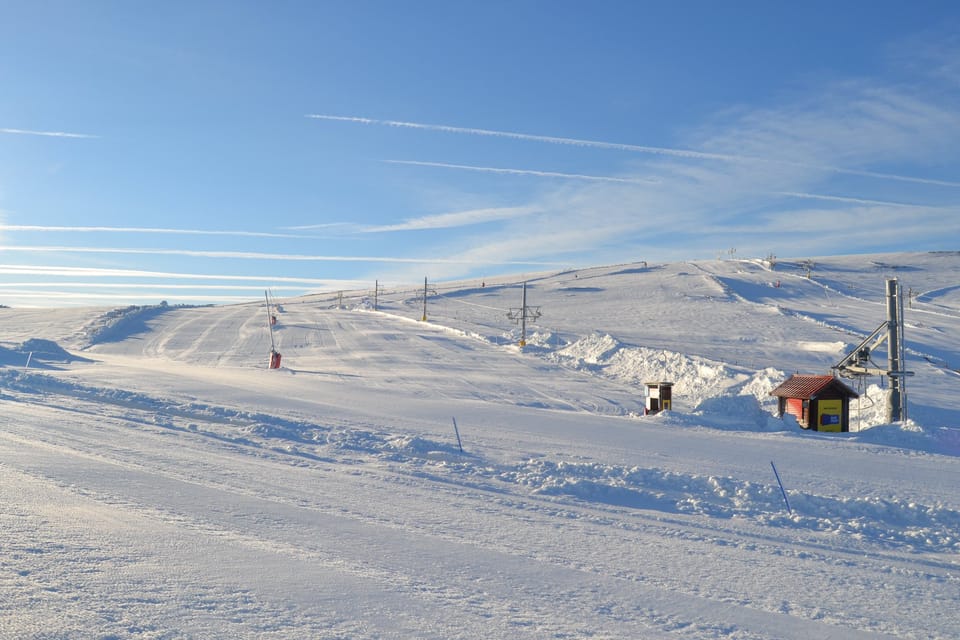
<point x="863" y="221"/>
<point x="457" y="219"/>
<point x="846" y="128"/>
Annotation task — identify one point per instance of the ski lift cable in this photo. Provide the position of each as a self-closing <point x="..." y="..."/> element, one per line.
<point x="471" y="304"/>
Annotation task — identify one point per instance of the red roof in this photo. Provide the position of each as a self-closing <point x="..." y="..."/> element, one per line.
<point x="809" y="386"/>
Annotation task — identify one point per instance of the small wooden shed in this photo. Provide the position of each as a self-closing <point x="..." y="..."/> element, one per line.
<point x="821" y="403"/>
<point x="659" y="397"/>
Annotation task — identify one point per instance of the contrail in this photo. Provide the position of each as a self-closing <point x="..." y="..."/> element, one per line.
<point x="317" y="227"/>
<point x="525" y="172"/>
<point x="791" y="194"/>
<point x="82" y="298"/>
<point x="663" y="151"/>
<point x="95" y="298"/>
<point x="885" y="203"/>
<point x="682" y="153"/>
<point x="252" y="255"/>
<point x="51" y="134"/>
<point x="141" y="286"/>
<point x="84" y="272"/>
<point x="253" y="234"/>
<point x="883" y="176"/>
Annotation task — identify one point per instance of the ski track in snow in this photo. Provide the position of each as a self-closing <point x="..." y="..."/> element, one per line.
<point x="405" y="463"/>
<point x="892" y="522"/>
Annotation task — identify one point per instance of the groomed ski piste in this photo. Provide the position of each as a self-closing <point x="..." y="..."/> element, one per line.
<point x="157" y="480"/>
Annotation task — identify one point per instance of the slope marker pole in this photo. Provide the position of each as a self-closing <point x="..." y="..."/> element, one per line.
<point x="782" y="492"/>
<point x="457" y="432"/>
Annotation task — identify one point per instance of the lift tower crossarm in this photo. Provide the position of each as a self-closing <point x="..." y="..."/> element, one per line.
<point x="853" y="361"/>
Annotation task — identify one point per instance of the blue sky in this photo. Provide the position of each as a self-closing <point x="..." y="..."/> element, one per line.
<point x="200" y="152"/>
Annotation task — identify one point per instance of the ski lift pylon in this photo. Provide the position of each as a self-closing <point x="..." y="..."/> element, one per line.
<point x="272" y="320"/>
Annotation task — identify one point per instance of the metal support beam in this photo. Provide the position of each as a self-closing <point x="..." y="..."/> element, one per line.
<point x="855" y="363"/>
<point x="895" y="350"/>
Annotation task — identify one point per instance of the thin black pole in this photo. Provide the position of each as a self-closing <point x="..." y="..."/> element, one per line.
<point x="457" y="431"/>
<point x="782" y="492"/>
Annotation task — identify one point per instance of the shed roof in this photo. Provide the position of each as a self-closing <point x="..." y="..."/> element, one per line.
<point x="806" y="387"/>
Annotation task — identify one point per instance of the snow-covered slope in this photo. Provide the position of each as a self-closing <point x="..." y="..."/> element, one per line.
<point x="158" y="481"/>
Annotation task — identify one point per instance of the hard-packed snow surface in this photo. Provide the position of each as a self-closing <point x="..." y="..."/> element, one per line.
<point x="157" y="480"/>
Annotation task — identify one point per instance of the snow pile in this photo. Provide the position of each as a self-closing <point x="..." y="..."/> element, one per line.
<point x="694" y="379"/>
<point x="118" y="324"/>
<point x="12" y="357"/>
<point x="893" y="521"/>
<point x="760" y="384"/>
<point x="48" y="350"/>
<point x="408" y="446"/>
<point x="39" y="353"/>
<point x="870" y="409"/>
<point x="539" y="340"/>
<point x="823" y="347"/>
<point x="747" y="405"/>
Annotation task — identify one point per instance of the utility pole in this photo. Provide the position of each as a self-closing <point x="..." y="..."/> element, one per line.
<point x="376" y="292"/>
<point x="523" y="314"/>
<point x="856" y="362"/>
<point x="426" y="292"/>
<point x="424" y="318"/>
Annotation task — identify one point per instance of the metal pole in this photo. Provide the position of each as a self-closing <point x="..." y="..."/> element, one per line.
<point x="424" y="318"/>
<point x="903" y="360"/>
<point x="523" y="318"/>
<point x="782" y="490"/>
<point x="894" y="350"/>
<point x="457" y="431"/>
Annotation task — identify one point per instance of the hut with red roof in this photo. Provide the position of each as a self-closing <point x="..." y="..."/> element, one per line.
<point x="818" y="402"/>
